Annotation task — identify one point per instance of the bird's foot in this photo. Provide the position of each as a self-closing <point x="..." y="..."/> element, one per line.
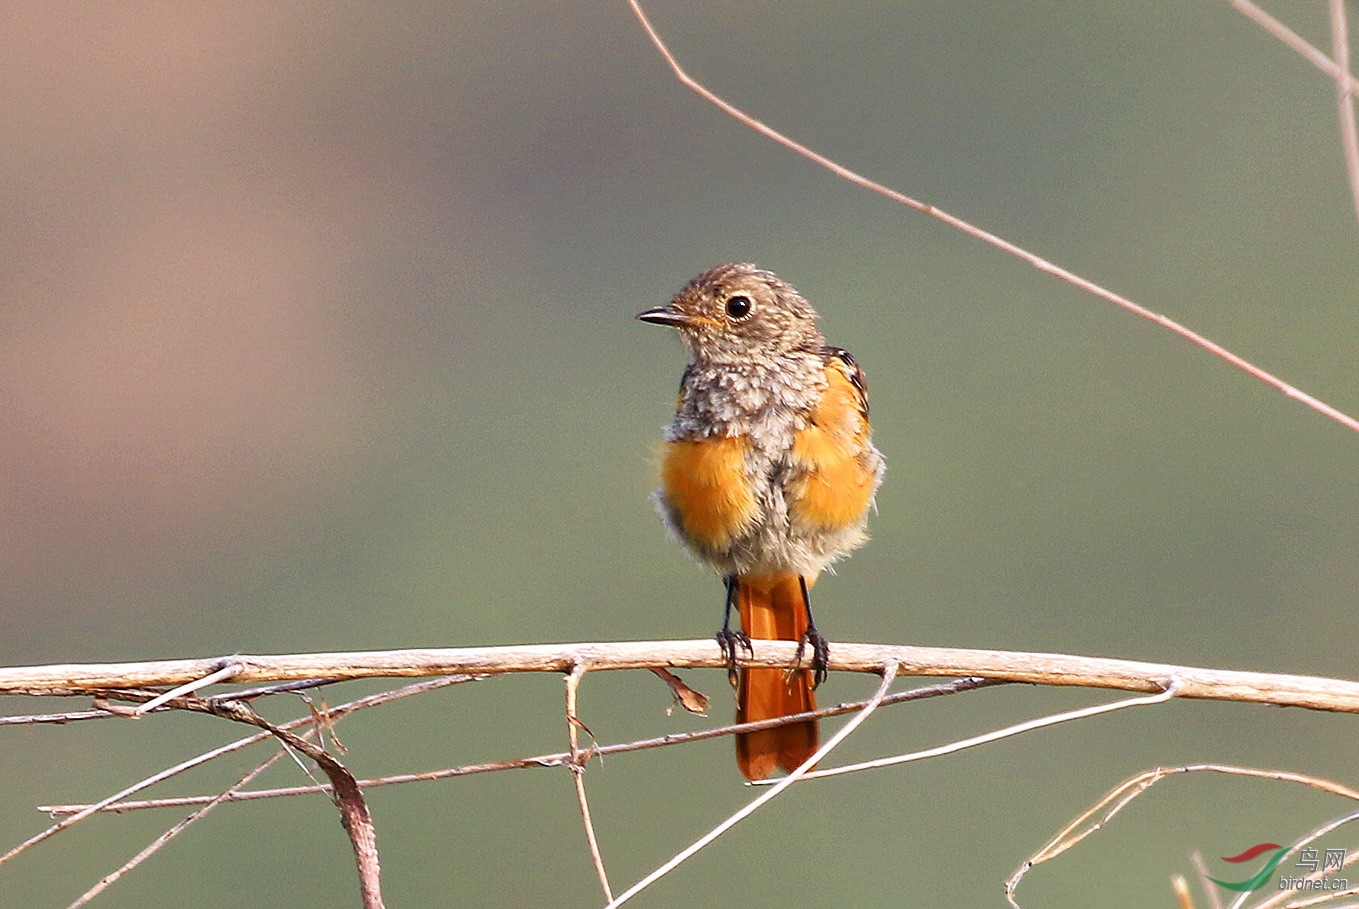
<point x="729" y="642"/>
<point x="820" y="654"/>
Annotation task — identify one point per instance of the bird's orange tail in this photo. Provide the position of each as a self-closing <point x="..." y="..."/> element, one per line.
<point x="773" y="609"/>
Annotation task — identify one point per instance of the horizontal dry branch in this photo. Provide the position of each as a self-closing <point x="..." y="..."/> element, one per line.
<point x="1036" y="668"/>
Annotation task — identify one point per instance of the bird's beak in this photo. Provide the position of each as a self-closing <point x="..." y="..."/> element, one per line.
<point x="664" y="315"/>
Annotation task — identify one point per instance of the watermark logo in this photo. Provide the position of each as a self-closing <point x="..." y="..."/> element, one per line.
<point x="1258" y="881"/>
<point x="1310" y="858"/>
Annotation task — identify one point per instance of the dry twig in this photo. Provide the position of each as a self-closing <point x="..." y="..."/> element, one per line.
<point x="1345" y="93"/>
<point x="985" y="738"/>
<point x="1294" y="41"/>
<point x="1313" y="692"/>
<point x="365" y="852"/>
<point x="1201" y="869"/>
<point x="346" y="792"/>
<point x="155" y="845"/>
<point x="888" y="675"/>
<point x="1181" y="888"/>
<point x="577" y="764"/>
<point x="111" y="680"/>
<point x="979" y="233"/>
<point x="542" y="760"/>
<point x="1347" y="86"/>
<point x="1102" y="812"/>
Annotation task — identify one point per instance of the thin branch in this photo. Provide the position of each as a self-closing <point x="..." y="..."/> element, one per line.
<point x="995" y="735"/>
<point x="347" y="794"/>
<point x="146" y="783"/>
<point x="103" y="713"/>
<point x="985" y="236"/>
<point x="155" y="845"/>
<point x="577" y="765"/>
<point x="1314" y="692"/>
<point x="1325" y="898"/>
<point x="547" y="760"/>
<point x="250" y="694"/>
<point x="1345" y="93"/>
<point x="1201" y="869"/>
<point x="1103" y="811"/>
<point x="1294" y="41"/>
<point x="223" y="674"/>
<point x="345" y="791"/>
<point x="888" y="675"/>
<point x="56" y="719"/>
<point x="115" y="801"/>
<point x="1181" y="888"/>
<point x="1347" y="86"/>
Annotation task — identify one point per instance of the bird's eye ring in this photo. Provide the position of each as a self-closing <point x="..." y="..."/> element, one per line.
<point x="739" y="306"/>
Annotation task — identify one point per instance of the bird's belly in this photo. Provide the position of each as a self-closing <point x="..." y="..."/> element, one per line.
<point x="745" y="510"/>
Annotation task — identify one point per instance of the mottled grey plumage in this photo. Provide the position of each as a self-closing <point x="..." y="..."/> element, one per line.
<point x="762" y="376"/>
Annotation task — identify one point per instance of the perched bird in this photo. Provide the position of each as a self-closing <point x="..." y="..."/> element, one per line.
<point x="767" y="475"/>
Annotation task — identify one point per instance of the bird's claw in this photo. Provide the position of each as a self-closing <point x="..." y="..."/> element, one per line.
<point x="729" y="642"/>
<point x="820" y="654"/>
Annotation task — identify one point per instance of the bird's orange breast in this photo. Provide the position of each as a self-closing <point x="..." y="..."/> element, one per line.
<point x="835" y="484"/>
<point x="705" y="482"/>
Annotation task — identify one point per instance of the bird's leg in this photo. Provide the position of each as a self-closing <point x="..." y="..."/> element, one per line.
<point x="729" y="640"/>
<point x="820" y="646"/>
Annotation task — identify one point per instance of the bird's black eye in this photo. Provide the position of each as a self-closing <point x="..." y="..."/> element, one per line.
<point x="738" y="307"/>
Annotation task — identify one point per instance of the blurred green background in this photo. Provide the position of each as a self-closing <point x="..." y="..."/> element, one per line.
<point x="317" y="334"/>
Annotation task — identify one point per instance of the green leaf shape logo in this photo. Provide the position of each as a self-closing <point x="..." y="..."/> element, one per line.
<point x="1256" y="882"/>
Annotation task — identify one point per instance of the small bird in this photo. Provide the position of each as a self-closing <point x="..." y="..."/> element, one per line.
<point x="767" y="476"/>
